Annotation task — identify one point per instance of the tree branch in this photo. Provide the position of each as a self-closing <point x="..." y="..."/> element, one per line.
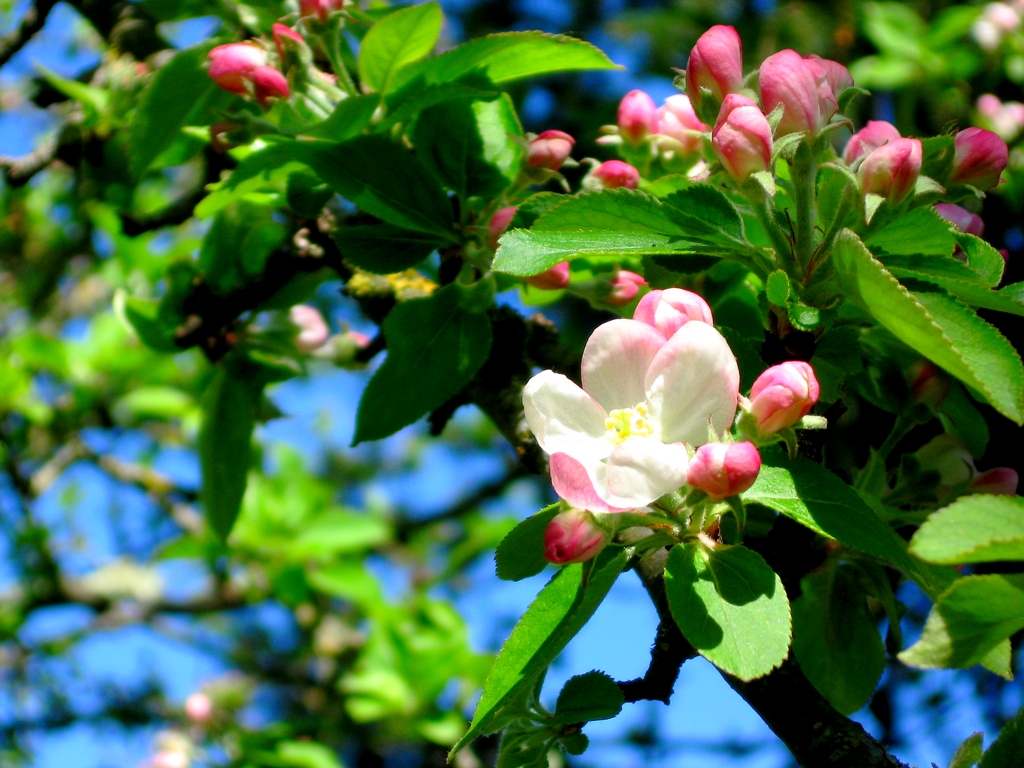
<point x="31" y="22"/>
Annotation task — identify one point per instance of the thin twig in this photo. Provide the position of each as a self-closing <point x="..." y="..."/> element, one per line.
<point x="31" y="22"/>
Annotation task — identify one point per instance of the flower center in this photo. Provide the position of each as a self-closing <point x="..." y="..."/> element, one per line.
<point x="627" y="422"/>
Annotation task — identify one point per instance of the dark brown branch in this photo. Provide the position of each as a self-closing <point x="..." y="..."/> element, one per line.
<point x="669" y="652"/>
<point x="31" y="22"/>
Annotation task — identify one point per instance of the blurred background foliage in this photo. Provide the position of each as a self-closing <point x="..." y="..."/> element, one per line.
<point x="351" y="620"/>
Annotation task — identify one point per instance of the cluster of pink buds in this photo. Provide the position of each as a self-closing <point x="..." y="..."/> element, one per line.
<point x="1005" y="119"/>
<point x="242" y="68"/>
<point x="672" y="128"/>
<point x="995" y="22"/>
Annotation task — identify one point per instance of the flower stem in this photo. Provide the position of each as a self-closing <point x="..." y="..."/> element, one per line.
<point x="804" y="178"/>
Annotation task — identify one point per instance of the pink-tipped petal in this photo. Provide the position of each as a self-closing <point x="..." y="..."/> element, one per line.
<point x="574" y="483"/>
<point x="693" y="378"/>
<point x="616" y="360"/>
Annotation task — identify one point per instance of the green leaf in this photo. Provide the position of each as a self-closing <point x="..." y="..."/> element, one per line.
<point x="835" y="639"/>
<point x="335" y="532"/>
<point x="968" y="620"/>
<point x="347" y="120"/>
<point x="961" y="417"/>
<point x="266" y="168"/>
<point x="938" y="154"/>
<point x="503" y="58"/>
<point x="180" y="94"/>
<point x="439" y="343"/>
<point x="922" y="231"/>
<point x="384" y="248"/>
<point x="982" y="258"/>
<point x="398" y="39"/>
<point x="955" y="277"/>
<point x="551" y="621"/>
<point x="704" y="211"/>
<point x="144" y="317"/>
<point x="349" y="581"/>
<point x="836" y="358"/>
<point x="521" y="553"/>
<point x="731" y="606"/>
<point x="973" y="529"/>
<point x="307" y="754"/>
<point x="592" y="696"/>
<point x="612" y="224"/>
<point x="409" y="102"/>
<point x="384" y="179"/>
<point x="237" y="245"/>
<point x="468" y="145"/>
<point x="778" y="288"/>
<point x="936" y="325"/>
<point x="225" y="445"/>
<point x="533" y="207"/>
<point x="1007" y="749"/>
<point x="94" y="100"/>
<point x="967" y="754"/>
<point x="816" y="498"/>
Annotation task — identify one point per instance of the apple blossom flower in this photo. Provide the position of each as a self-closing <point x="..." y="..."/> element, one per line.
<point x="573" y="537"/>
<point x="965" y="221"/>
<point x="678" y="121"/>
<point x="1001" y="481"/>
<point x="198" y="707"/>
<point x="805" y="89"/>
<point x="313" y="331"/>
<point x="742" y="137"/>
<point x="499" y="223"/>
<point x="724" y="469"/>
<point x="553" y="279"/>
<point x="625" y="286"/>
<point x="670" y="309"/>
<point x="612" y="174"/>
<point x="550" y="150"/>
<point x="783" y="395"/>
<point x="617" y="443"/>
<point x="638" y="117"/>
<point x="870" y="137"/>
<point x="979" y="157"/>
<point x="892" y="170"/>
<point x="716" y="63"/>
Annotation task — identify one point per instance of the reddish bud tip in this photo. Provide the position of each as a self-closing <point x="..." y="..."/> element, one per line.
<point x="553" y="279"/>
<point x="499" y="223"/>
<point x="1001" y="481"/>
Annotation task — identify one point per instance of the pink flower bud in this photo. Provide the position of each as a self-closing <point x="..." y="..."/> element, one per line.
<point x="989" y="104"/>
<point x="553" y="279"/>
<point x="677" y="120"/>
<point x="891" y="170"/>
<point x="803" y="89"/>
<point x="499" y="223"/>
<point x="320" y="9"/>
<point x="742" y="138"/>
<point x="724" y="469"/>
<point x="313" y="330"/>
<point x="198" y="708"/>
<point x="638" y="117"/>
<point x="269" y="83"/>
<point x="232" y="65"/>
<point x="573" y="536"/>
<point x="1001" y="481"/>
<point x="282" y="35"/>
<point x="671" y="309"/>
<point x="928" y="384"/>
<point x="549" y="150"/>
<point x="625" y="286"/>
<point x="716" y="63"/>
<point x="870" y="137"/>
<point x="964" y="220"/>
<point x="837" y="77"/>
<point x="612" y="174"/>
<point x="979" y="158"/>
<point x="170" y="759"/>
<point x="783" y="395"/>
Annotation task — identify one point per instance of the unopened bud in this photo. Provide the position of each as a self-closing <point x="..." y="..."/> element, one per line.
<point x="892" y="170"/>
<point x="638" y="117"/>
<point x="783" y="395"/>
<point x="232" y="65"/>
<point x="716" y="63"/>
<point x="742" y="137"/>
<point x="499" y="223"/>
<point x="928" y="384"/>
<point x="573" y="536"/>
<point x="313" y="330"/>
<point x="198" y="708"/>
<point x="869" y="138"/>
<point x="320" y="9"/>
<point x="285" y="36"/>
<point x="612" y="174"/>
<point x="802" y="87"/>
<point x="550" y="150"/>
<point x="965" y="221"/>
<point x="670" y="309"/>
<point x="625" y="286"/>
<point x="1001" y="481"/>
<point x="979" y="159"/>
<point x="724" y="469"/>
<point x="268" y="83"/>
<point x="678" y="121"/>
<point x="553" y="279"/>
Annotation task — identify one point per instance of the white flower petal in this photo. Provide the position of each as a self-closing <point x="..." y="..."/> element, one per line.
<point x="616" y="360"/>
<point x="578" y="484"/>
<point x="641" y="470"/>
<point x="693" y="377"/>
<point x="564" y="418"/>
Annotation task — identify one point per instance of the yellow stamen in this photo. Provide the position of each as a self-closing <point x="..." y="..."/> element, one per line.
<point x="627" y="422"/>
